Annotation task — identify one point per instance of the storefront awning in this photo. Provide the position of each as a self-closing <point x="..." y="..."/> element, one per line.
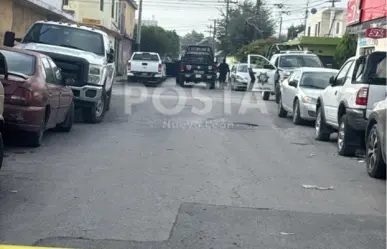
<point x="360" y="28"/>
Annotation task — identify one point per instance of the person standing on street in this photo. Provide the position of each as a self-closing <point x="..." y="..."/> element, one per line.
<point x="224" y="69"/>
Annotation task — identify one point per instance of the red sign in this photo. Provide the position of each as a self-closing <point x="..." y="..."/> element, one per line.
<point x="373" y="9"/>
<point x="376" y="33"/>
<point x="353" y="12"/>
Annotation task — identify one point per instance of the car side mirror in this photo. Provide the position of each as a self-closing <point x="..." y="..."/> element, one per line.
<point x="293" y="83"/>
<point x="3" y="66"/>
<point x="9" y="39"/>
<point x="268" y="66"/>
<point x="110" y="56"/>
<point x="332" y="80"/>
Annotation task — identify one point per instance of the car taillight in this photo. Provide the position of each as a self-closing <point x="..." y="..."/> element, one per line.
<point x="362" y="96"/>
<point x="181" y="67"/>
<point x="129" y="66"/>
<point x="160" y="67"/>
<point x="21" y="96"/>
<point x="214" y="68"/>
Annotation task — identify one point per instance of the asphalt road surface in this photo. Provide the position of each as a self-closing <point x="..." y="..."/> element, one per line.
<point x="157" y="173"/>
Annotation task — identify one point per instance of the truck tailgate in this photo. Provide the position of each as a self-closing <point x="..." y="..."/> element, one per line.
<point x="145" y="66"/>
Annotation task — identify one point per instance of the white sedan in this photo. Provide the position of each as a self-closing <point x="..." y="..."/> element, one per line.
<point x="299" y="92"/>
<point x="239" y="77"/>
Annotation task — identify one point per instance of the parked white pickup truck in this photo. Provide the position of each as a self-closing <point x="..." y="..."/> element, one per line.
<point x="146" y="67"/>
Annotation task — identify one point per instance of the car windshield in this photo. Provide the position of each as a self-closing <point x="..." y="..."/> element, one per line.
<point x="197" y="58"/>
<point x="294" y="61"/>
<point x="66" y="36"/>
<point x="19" y="62"/>
<point x="317" y="80"/>
<point x="243" y="68"/>
<point x="145" y="57"/>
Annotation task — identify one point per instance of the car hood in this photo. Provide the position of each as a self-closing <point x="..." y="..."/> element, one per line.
<point x="313" y="93"/>
<point x="243" y="75"/>
<point x="38" y="47"/>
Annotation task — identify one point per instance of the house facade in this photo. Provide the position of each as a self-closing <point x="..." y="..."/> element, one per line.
<point x="18" y="15"/>
<point x="327" y="22"/>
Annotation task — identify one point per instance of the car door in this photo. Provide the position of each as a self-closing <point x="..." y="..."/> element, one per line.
<point x="53" y="93"/>
<point x="332" y="95"/>
<point x="66" y="94"/>
<point x="288" y="91"/>
<point x="264" y="72"/>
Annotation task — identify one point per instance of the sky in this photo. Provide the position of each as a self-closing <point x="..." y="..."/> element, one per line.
<point x="187" y="15"/>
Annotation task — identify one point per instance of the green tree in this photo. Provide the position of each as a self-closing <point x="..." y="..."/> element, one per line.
<point x="293" y="31"/>
<point x="244" y="26"/>
<point x="255" y="47"/>
<point x="346" y="48"/>
<point x="192" y="38"/>
<point x="156" y="39"/>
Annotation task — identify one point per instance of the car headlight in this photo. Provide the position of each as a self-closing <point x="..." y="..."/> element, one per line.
<point x="95" y="74"/>
<point x="309" y="100"/>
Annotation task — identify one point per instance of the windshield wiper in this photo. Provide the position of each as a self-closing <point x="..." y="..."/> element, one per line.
<point x="69" y="46"/>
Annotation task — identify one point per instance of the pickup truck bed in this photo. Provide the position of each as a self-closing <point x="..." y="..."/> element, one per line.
<point x="146" y="68"/>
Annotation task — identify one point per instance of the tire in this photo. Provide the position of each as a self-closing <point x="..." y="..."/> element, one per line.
<point x="297" y="120"/>
<point x="282" y="113"/>
<point x="109" y="99"/>
<point x="344" y="134"/>
<point x="212" y="85"/>
<point x="322" y="132"/>
<point x="67" y="124"/>
<point x="277" y="92"/>
<point x="181" y="81"/>
<point x="35" y="139"/>
<point x="376" y="166"/>
<point x="96" y="112"/>
<point x="265" y="96"/>
<point x="1" y="150"/>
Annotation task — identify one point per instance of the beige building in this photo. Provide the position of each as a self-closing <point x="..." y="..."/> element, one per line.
<point x="116" y="17"/>
<point x="327" y="22"/>
<point x="18" y="15"/>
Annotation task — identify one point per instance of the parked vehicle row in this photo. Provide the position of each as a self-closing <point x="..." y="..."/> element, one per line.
<point x="350" y="101"/>
<point x="53" y="71"/>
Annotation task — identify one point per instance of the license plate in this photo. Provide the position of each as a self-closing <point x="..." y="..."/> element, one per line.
<point x="199" y="72"/>
<point x="144" y="74"/>
<point x="198" y="76"/>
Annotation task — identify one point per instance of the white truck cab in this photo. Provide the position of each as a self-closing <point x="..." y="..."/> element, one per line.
<point x="84" y="56"/>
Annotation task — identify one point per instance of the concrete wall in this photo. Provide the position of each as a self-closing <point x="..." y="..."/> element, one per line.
<point x="130" y="19"/>
<point x="17" y="18"/>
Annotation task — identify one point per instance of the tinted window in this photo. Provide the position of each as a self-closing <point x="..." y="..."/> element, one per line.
<point x="197" y="58"/>
<point x="299" y="61"/>
<point x="317" y="80"/>
<point x="342" y="75"/>
<point x="19" y="62"/>
<point x="145" y="57"/>
<point x="243" y="68"/>
<point x="56" y="71"/>
<point x="50" y="78"/>
<point x="67" y="37"/>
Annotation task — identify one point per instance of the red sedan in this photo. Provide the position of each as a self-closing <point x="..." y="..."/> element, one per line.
<point x="36" y="97"/>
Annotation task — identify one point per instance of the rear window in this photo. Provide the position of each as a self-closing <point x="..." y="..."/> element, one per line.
<point x="19" y="62"/>
<point x="295" y="61"/>
<point x="197" y="58"/>
<point x="145" y="57"/>
<point x="316" y="80"/>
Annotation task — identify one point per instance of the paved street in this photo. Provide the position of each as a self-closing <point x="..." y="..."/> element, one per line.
<point x="223" y="179"/>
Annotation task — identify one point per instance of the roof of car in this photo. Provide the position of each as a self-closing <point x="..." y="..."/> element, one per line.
<point x="23" y="51"/>
<point x="317" y="69"/>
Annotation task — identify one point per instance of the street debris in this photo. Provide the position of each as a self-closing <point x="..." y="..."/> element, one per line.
<point x="361" y="161"/>
<point x="13" y="191"/>
<point x="282" y="233"/>
<point x="317" y="187"/>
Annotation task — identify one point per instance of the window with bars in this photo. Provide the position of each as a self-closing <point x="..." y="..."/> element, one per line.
<point x="113" y="8"/>
<point x="101" y="4"/>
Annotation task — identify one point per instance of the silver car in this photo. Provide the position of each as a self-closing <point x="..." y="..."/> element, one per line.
<point x="299" y="92"/>
<point x="239" y="77"/>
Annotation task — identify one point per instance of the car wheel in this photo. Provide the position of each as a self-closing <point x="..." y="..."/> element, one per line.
<point x="212" y="85"/>
<point x="265" y="95"/>
<point x="1" y="150"/>
<point x="67" y="125"/>
<point x="343" y="138"/>
<point x="322" y="132"/>
<point x="109" y="99"/>
<point x="96" y="112"/>
<point x="282" y="113"/>
<point x="277" y="92"/>
<point x="376" y="166"/>
<point x="297" y="120"/>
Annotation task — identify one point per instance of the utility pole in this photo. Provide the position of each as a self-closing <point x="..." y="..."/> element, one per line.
<point x="257" y="16"/>
<point x="138" y="40"/>
<point x="227" y="21"/>
<point x="214" y="36"/>
<point x="306" y="16"/>
<point x="280" y="28"/>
